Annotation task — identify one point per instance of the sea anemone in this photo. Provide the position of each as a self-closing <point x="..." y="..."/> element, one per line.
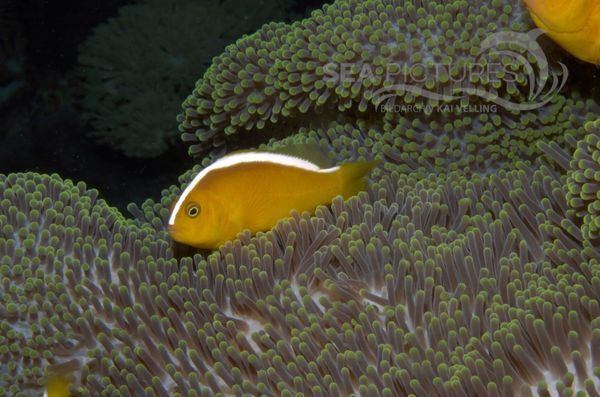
<point x="452" y="140"/>
<point x="136" y="67"/>
<point x="432" y="282"/>
<point x="274" y="77"/>
<point x="63" y="254"/>
<point x="425" y="284"/>
<point x="583" y="181"/>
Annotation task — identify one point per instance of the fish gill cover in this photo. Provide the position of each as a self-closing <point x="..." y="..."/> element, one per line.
<point x="451" y="275"/>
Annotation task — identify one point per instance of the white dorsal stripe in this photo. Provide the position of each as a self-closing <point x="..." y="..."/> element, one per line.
<point x="247" y="157"/>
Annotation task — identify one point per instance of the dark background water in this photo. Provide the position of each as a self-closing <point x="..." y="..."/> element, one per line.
<point x="40" y="125"/>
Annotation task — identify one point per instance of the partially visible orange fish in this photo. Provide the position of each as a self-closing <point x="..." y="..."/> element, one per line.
<point x="58" y="385"/>
<point x="253" y="190"/>
<point x="573" y="24"/>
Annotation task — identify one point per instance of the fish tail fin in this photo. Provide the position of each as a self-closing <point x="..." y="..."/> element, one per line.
<point x="354" y="176"/>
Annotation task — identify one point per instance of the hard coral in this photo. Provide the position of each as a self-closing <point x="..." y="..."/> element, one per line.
<point x="137" y="66"/>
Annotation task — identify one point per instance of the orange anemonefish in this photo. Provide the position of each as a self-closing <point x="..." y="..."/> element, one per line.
<point x="253" y="190"/>
<point x="573" y="24"/>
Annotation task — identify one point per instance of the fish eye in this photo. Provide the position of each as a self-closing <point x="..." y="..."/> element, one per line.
<point x="192" y="210"/>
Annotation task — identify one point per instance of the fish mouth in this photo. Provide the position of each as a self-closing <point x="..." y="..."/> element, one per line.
<point x="177" y="234"/>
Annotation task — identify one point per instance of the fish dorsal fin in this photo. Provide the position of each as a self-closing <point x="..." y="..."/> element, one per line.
<point x="311" y="152"/>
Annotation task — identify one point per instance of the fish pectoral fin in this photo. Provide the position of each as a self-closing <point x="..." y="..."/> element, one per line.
<point x="235" y="223"/>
